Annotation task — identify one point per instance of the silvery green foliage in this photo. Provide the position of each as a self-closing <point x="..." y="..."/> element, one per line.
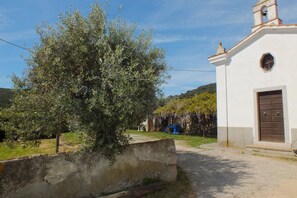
<point x="97" y="76"/>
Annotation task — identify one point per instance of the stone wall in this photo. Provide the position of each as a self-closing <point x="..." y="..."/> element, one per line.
<point x="89" y="174"/>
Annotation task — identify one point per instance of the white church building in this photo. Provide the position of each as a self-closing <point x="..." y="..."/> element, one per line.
<point x="257" y="84"/>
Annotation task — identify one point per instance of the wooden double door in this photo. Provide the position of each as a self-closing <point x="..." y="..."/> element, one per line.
<point x="271" y="116"/>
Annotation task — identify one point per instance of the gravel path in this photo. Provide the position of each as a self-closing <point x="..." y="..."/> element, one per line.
<point x="224" y="172"/>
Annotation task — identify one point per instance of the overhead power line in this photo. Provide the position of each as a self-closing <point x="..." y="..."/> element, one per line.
<point x="192" y="70"/>
<point x="173" y="69"/>
<point x="16" y="45"/>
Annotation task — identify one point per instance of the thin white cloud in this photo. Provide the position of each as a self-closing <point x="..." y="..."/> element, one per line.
<point x="174" y="38"/>
<point x="288" y="11"/>
<point x="191" y="77"/>
<point x="4" y="79"/>
<point x="165" y="39"/>
<point x="195" y="14"/>
<point x="11" y="59"/>
<point x="181" y="82"/>
<point x="3" y="20"/>
<point x="177" y="38"/>
<point x="5" y="82"/>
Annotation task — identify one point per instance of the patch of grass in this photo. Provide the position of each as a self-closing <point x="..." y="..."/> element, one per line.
<point x="194" y="141"/>
<point x="46" y="147"/>
<point x="180" y="188"/>
<point x="68" y="142"/>
<point x="71" y="138"/>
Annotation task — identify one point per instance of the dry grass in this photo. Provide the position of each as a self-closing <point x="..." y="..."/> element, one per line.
<point x="68" y="142"/>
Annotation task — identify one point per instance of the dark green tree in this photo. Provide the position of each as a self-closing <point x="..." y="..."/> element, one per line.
<point x="95" y="75"/>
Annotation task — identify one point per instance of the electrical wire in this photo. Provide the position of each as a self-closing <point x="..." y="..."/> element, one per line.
<point x="191" y="70"/>
<point x="173" y="69"/>
<point x="16" y="45"/>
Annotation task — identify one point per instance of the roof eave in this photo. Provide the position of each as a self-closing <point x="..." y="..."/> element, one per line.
<point x="218" y="59"/>
<point x="259" y="32"/>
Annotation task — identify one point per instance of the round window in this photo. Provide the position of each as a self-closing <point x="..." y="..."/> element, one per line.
<point x="267" y="62"/>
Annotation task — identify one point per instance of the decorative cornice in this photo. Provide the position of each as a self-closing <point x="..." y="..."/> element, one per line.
<point x="266" y="29"/>
<point x="221" y="59"/>
<point x="218" y="59"/>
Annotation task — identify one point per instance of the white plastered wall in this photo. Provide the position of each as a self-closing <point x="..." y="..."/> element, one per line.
<point x="245" y="77"/>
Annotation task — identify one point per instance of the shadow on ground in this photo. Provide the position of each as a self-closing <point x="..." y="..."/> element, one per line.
<point x="210" y="175"/>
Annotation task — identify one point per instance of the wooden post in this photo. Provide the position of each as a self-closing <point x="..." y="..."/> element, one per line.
<point x="57" y="142"/>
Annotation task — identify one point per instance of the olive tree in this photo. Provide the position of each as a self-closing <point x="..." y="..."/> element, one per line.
<point x="96" y="75"/>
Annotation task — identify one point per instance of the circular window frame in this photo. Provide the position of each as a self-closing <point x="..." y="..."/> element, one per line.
<point x="271" y="61"/>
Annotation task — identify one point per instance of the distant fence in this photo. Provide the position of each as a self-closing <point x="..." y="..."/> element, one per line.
<point x="89" y="174"/>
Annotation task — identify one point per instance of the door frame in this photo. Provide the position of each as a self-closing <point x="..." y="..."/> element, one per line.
<point x="256" y="115"/>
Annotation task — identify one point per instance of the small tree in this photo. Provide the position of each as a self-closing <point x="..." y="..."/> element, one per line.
<point x="31" y="117"/>
<point x="97" y="76"/>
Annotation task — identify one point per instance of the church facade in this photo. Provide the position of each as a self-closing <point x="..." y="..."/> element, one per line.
<point x="257" y="84"/>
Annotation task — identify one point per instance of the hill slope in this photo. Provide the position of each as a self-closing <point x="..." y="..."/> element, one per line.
<point x="210" y="88"/>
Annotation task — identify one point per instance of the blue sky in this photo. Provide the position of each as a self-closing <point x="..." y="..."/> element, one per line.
<point x="188" y="30"/>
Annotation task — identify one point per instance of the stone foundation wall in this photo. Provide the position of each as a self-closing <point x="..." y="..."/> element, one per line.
<point x="294" y="138"/>
<point x="89" y="174"/>
<point x="237" y="136"/>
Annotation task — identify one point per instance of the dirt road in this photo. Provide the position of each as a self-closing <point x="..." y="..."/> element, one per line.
<point x="224" y="172"/>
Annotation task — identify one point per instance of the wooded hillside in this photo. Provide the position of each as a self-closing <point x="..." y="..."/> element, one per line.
<point x="210" y="88"/>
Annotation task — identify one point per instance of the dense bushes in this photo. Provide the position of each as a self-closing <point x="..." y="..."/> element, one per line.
<point x="6" y="96"/>
<point x="12" y="127"/>
<point x="197" y="115"/>
<point x="3" y="120"/>
<point x="2" y="135"/>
